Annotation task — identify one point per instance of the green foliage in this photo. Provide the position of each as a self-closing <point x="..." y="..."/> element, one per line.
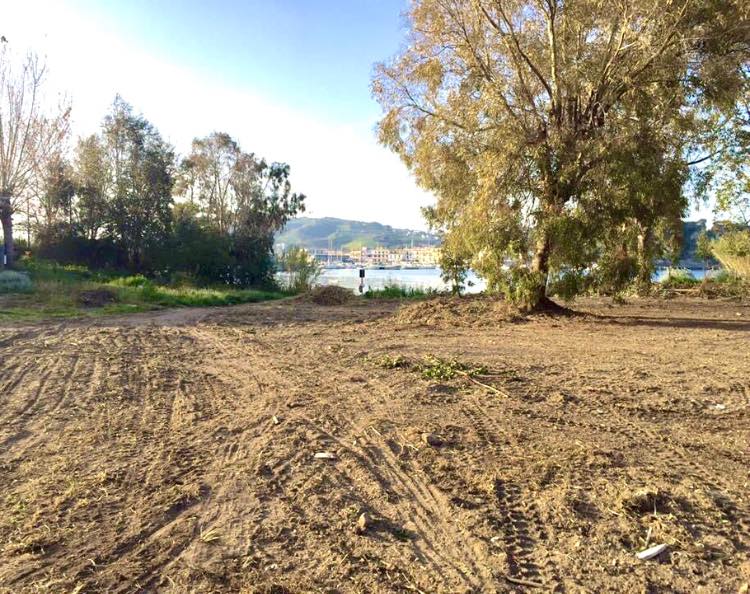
<point x="113" y="209"/>
<point x="241" y="198"/>
<point x="302" y="270"/>
<point x="547" y="145"/>
<point x="392" y="362"/>
<point x="520" y="285"/>
<point x="162" y="296"/>
<point x="569" y="284"/>
<point x="12" y="281"/>
<point x="324" y="232"/>
<point x="455" y="263"/>
<point x="679" y="279"/>
<point x="726" y="285"/>
<point x="446" y="369"/>
<point x="57" y="290"/>
<point x="732" y="249"/>
<point x="703" y="249"/>
<point x="139" y="199"/>
<point x="615" y="271"/>
<point x="137" y="280"/>
<point x="394" y="291"/>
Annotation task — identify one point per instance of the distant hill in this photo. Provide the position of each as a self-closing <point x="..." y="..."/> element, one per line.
<point x="349" y="235"/>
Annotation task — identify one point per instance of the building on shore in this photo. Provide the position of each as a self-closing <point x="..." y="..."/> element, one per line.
<point x="410" y="257"/>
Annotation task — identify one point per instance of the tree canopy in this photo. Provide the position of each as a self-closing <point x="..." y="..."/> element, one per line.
<point x="536" y="123"/>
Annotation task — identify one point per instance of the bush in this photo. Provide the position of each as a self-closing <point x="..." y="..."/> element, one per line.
<point x="570" y="283"/>
<point x="520" y="286"/>
<point x="615" y="273"/>
<point x="679" y="279"/>
<point x="14" y="282"/>
<point x="302" y="270"/>
<point x="733" y="251"/>
<point x="399" y="292"/>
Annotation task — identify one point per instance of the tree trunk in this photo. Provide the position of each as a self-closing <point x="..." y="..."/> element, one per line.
<point x="540" y="268"/>
<point x="6" y="219"/>
<point x="643" y="280"/>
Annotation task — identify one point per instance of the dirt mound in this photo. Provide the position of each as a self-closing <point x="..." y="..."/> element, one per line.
<point x="96" y="298"/>
<point x="456" y="311"/>
<point x="330" y="295"/>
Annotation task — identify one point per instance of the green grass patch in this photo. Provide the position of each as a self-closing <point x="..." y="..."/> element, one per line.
<point x="58" y="291"/>
<point x="400" y="292"/>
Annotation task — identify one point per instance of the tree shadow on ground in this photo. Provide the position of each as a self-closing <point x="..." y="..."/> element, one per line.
<point x="674" y="322"/>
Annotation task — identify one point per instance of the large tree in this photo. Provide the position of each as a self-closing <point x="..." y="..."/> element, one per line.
<point x="511" y="110"/>
<point x="29" y="133"/>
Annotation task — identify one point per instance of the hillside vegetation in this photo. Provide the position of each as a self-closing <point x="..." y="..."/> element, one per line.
<point x="312" y="233"/>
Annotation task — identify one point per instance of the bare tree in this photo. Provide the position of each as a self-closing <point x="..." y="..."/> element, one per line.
<point x="28" y="135"/>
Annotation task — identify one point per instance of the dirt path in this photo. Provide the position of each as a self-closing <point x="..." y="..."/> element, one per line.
<point x="174" y="452"/>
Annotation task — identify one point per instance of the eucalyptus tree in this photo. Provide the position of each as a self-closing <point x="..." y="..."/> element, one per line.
<point x="54" y="192"/>
<point x="92" y="180"/>
<point x="239" y="196"/>
<point x="29" y="133"/>
<point x="206" y="175"/>
<point x="139" y="172"/>
<point x="510" y="111"/>
<point x="729" y="171"/>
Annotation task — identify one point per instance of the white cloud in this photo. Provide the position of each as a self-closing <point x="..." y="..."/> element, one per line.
<point x="339" y="165"/>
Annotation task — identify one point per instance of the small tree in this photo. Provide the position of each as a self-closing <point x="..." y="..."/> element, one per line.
<point x="732" y="249"/>
<point x="302" y="269"/>
<point x="703" y="249"/>
<point x="28" y="135"/>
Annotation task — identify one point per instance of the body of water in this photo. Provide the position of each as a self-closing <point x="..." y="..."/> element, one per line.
<point x="419" y="278"/>
<point x="423" y="278"/>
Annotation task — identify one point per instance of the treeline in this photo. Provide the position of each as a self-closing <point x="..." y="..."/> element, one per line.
<point x="123" y="199"/>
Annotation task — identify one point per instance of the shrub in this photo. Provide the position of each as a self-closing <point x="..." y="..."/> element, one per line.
<point x="393" y="291"/>
<point x="679" y="279"/>
<point x="520" y="285"/>
<point x="733" y="251"/>
<point x="302" y="270"/>
<point x="570" y="283"/>
<point x="14" y="282"/>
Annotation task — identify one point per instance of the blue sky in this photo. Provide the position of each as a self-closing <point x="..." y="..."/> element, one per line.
<point x="314" y="54"/>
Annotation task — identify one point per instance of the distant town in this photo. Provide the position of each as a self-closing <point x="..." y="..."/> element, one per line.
<point x="377" y="257"/>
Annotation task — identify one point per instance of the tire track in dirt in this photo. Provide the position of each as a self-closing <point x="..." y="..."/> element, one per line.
<point x="14" y="374"/>
<point x="29" y="400"/>
<point x="515" y="514"/>
<point x="438" y="542"/>
<point x="432" y="512"/>
<point x="679" y="462"/>
<point x="682" y="465"/>
<point x="446" y="543"/>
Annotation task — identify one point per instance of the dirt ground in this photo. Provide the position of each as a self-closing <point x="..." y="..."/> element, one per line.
<point x="174" y="452"/>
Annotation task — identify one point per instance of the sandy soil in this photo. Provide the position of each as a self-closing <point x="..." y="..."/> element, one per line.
<point x="174" y="452"/>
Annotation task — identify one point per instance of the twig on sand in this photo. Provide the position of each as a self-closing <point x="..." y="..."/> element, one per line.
<point x="527" y="583"/>
<point x="472" y="379"/>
